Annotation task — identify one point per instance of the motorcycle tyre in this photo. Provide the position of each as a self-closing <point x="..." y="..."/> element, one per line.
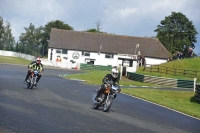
<point x="28" y="85"/>
<point x="32" y="86"/>
<point x="95" y="106"/>
<point x="107" y="107"/>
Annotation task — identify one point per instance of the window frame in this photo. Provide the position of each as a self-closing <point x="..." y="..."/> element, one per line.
<point x="85" y="53"/>
<point x="109" y="56"/>
<point x="61" y="51"/>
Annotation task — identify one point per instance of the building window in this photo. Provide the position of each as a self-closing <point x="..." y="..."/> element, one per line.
<point x="58" y="51"/>
<point x="85" y="53"/>
<point x="61" y="51"/>
<point x="64" y="51"/>
<point x="109" y="56"/>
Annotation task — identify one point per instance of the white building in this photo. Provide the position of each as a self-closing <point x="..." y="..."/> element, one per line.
<point x="70" y="48"/>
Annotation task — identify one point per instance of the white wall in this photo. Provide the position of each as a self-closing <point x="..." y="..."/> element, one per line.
<point x="15" y="54"/>
<point x="155" y="61"/>
<point x="99" y="60"/>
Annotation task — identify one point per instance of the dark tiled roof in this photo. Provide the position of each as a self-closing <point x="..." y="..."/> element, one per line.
<point x="87" y="41"/>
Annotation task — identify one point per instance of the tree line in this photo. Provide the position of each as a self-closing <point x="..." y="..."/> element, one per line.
<point x="175" y="32"/>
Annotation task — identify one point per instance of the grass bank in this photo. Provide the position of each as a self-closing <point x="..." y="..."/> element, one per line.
<point x="14" y="60"/>
<point x="186" y="64"/>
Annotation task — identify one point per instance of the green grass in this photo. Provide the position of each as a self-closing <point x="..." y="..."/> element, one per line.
<point x="96" y="76"/>
<point x="187" y="64"/>
<point x="182" y="101"/>
<point x="13" y="60"/>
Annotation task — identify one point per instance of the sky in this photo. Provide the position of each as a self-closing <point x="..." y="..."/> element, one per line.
<point x="121" y="17"/>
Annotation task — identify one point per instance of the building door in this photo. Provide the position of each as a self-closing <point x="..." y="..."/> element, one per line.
<point x="123" y="71"/>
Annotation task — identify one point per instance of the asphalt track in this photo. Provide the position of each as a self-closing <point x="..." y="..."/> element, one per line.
<point x="58" y="105"/>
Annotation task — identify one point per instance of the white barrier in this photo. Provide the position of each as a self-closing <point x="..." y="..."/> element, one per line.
<point x="45" y="62"/>
<point x="16" y="54"/>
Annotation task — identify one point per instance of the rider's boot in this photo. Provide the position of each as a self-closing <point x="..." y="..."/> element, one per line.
<point x="26" y="81"/>
<point x="35" y="84"/>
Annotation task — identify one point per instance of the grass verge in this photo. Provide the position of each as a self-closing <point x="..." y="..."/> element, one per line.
<point x="182" y="101"/>
<point x="14" y="60"/>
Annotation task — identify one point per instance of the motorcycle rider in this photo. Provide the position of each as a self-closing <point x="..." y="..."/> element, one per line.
<point x="109" y="79"/>
<point x="34" y="65"/>
<point x="36" y="62"/>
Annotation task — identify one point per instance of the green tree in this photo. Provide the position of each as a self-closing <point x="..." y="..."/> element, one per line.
<point x="1" y="27"/>
<point x="176" y="33"/>
<point x="30" y="40"/>
<point x="92" y="30"/>
<point x="8" y="40"/>
<point x="47" y="30"/>
<point x="1" y="32"/>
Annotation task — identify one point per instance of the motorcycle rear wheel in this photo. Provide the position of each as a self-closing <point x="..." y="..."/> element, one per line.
<point x="107" y="105"/>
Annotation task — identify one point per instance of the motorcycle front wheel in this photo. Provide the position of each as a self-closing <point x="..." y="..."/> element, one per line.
<point x="31" y="86"/>
<point x="107" y="105"/>
<point x="28" y="85"/>
<point x="96" y="106"/>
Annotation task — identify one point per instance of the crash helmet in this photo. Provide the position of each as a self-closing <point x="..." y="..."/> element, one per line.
<point x="114" y="72"/>
<point x="38" y="60"/>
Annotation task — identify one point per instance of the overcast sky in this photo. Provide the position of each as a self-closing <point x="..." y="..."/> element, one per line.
<point x="121" y="17"/>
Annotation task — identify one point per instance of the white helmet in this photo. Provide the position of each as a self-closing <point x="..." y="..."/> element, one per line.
<point x="38" y="60"/>
<point x="114" y="72"/>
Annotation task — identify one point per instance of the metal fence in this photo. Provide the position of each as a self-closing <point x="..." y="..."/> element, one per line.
<point x="160" y="80"/>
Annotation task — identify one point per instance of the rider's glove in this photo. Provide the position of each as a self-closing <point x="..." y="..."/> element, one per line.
<point x="110" y="83"/>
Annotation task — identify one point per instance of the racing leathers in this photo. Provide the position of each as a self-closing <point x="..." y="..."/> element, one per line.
<point x="108" y="79"/>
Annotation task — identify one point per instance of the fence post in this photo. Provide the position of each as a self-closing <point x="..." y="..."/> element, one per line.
<point x="150" y="68"/>
<point x="195" y="80"/>
<point x="158" y="69"/>
<point x="175" y="71"/>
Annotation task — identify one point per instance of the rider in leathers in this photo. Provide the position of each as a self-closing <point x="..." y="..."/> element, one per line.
<point x="35" y="65"/>
<point x="109" y="79"/>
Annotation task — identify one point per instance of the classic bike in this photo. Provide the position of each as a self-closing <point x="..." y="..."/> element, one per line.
<point x="106" y="98"/>
<point x="32" y="79"/>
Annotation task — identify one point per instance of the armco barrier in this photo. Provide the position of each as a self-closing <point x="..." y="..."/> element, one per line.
<point x="160" y="80"/>
<point x="197" y="92"/>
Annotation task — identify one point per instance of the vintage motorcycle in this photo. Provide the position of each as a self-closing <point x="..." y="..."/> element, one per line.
<point x="32" y="79"/>
<point x="105" y="99"/>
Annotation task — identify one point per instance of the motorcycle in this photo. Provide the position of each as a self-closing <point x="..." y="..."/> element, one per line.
<point x="32" y="79"/>
<point x="105" y="99"/>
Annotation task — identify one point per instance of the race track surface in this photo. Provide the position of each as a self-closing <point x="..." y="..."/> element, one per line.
<point x="58" y="105"/>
